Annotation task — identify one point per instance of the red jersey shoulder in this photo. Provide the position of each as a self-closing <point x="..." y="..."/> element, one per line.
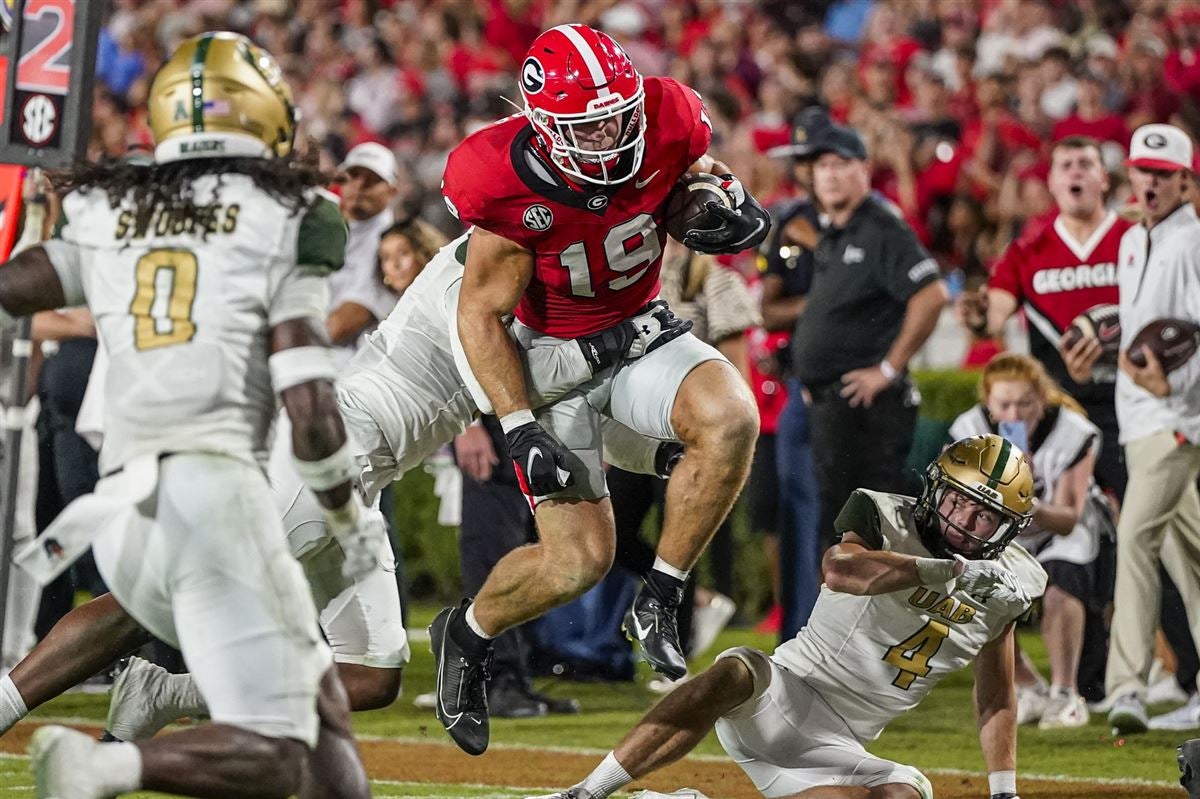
<point x="675" y="117"/>
<point x="479" y="172"/>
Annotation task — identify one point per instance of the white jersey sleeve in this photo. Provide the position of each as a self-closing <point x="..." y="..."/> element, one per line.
<point x="184" y="307"/>
<point x="876" y="657"/>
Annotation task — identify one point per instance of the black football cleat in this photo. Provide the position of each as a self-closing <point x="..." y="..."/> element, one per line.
<point x="1188" y="757"/>
<point x="652" y="623"/>
<point x="461" y="686"/>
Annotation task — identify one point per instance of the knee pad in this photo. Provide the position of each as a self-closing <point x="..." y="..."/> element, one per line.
<point x="907" y="775"/>
<point x="758" y="664"/>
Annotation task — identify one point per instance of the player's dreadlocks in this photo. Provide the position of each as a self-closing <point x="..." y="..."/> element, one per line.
<point x="170" y="185"/>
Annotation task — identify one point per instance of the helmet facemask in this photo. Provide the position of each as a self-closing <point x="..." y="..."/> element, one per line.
<point x="943" y="496"/>
<point x="559" y="133"/>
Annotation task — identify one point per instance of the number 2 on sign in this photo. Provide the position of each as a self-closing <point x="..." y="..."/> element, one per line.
<point x="162" y="305"/>
<point x="44" y="66"/>
<point x="630" y="248"/>
<point x="911" y="656"/>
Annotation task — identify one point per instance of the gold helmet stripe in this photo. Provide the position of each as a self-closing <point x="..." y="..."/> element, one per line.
<point x="198" y="59"/>
<point x="1001" y="462"/>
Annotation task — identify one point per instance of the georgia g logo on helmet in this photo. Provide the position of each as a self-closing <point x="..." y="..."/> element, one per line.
<point x="585" y="101"/>
<point x="533" y="75"/>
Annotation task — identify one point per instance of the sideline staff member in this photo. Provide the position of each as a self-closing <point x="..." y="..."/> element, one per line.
<point x="874" y="300"/>
<point x="1158" y="273"/>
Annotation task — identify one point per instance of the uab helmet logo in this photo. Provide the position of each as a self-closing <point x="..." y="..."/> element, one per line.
<point x="533" y="76"/>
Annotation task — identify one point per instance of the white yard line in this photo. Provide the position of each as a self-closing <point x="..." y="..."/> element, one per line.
<point x="568" y="750"/>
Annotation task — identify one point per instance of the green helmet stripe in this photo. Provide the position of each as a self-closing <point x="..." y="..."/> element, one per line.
<point x="1001" y="462"/>
<point x="198" y="60"/>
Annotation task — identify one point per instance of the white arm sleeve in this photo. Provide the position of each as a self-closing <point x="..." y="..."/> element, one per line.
<point x="65" y="258"/>
<point x="550" y="372"/>
<point x="301" y="292"/>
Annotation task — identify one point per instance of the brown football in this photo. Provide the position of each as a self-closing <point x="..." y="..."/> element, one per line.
<point x="687" y="204"/>
<point x="1103" y="322"/>
<point x="1173" y="342"/>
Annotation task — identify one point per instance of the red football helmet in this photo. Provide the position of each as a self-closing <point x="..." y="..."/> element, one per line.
<point x="586" y="102"/>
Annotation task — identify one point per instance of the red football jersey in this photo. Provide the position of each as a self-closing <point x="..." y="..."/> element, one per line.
<point x="1056" y="278"/>
<point x="597" y="252"/>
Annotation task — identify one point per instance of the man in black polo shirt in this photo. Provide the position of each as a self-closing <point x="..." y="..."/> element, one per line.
<point x="875" y="298"/>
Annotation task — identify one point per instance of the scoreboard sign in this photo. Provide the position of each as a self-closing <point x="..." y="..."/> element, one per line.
<point x="47" y="67"/>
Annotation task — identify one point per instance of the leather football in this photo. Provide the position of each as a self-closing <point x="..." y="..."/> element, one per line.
<point x="687" y="204"/>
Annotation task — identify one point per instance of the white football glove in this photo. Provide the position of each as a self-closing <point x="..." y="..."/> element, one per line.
<point x="989" y="578"/>
<point x="360" y="536"/>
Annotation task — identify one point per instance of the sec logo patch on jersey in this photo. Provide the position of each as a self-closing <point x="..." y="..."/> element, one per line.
<point x="538" y="217"/>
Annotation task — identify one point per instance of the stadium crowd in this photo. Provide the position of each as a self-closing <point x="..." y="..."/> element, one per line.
<point x="957" y="99"/>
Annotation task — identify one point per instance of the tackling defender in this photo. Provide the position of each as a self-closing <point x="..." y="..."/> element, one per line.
<point x="917" y="588"/>
<point x="205" y="319"/>
<point x="568" y="204"/>
<point x="402" y="397"/>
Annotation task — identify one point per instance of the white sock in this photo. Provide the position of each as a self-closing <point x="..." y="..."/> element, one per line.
<point x="473" y="623"/>
<point x="608" y="778"/>
<point x="12" y="705"/>
<point x="661" y="565"/>
<point x="118" y="766"/>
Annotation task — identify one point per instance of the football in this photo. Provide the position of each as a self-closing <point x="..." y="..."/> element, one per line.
<point x="1103" y="322"/>
<point x="1173" y="342"/>
<point x="687" y="204"/>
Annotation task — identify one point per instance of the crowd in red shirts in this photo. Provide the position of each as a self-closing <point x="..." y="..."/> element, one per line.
<point x="958" y="99"/>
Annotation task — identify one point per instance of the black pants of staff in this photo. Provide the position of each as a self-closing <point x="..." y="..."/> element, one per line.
<point x="859" y="447"/>
<point x="67" y="469"/>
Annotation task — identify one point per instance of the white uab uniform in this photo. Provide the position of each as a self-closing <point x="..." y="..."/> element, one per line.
<point x="858" y="663"/>
<point x="187" y="537"/>
<point x="402" y="397"/>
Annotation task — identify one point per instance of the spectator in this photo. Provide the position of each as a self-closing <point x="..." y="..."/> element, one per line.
<point x="1159" y="416"/>
<point x="358" y="299"/>
<point x="1090" y="117"/>
<point x="875" y="298"/>
<point x="1058" y="269"/>
<point x="1050" y="427"/>
<point x="404" y="249"/>
<point x="787" y="280"/>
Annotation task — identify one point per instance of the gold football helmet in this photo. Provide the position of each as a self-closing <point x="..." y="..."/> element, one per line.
<point x="992" y="472"/>
<point x="221" y="96"/>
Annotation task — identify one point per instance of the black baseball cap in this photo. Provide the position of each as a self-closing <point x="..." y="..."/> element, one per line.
<point x="837" y="139"/>
<point x="808" y="125"/>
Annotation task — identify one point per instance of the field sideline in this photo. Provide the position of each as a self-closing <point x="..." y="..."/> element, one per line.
<point x="408" y="755"/>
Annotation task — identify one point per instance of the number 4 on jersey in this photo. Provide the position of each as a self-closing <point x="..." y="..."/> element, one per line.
<point x="911" y="656"/>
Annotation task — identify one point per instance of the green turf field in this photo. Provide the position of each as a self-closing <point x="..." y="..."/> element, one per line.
<point x="939" y="735"/>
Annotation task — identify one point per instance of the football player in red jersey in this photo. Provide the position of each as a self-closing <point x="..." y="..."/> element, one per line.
<point x="568" y="204"/>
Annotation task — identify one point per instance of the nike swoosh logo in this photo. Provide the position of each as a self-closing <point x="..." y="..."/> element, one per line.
<point x="640" y="631"/>
<point x="641" y="184"/>
<point x="1108" y="329"/>
<point x="534" y="454"/>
